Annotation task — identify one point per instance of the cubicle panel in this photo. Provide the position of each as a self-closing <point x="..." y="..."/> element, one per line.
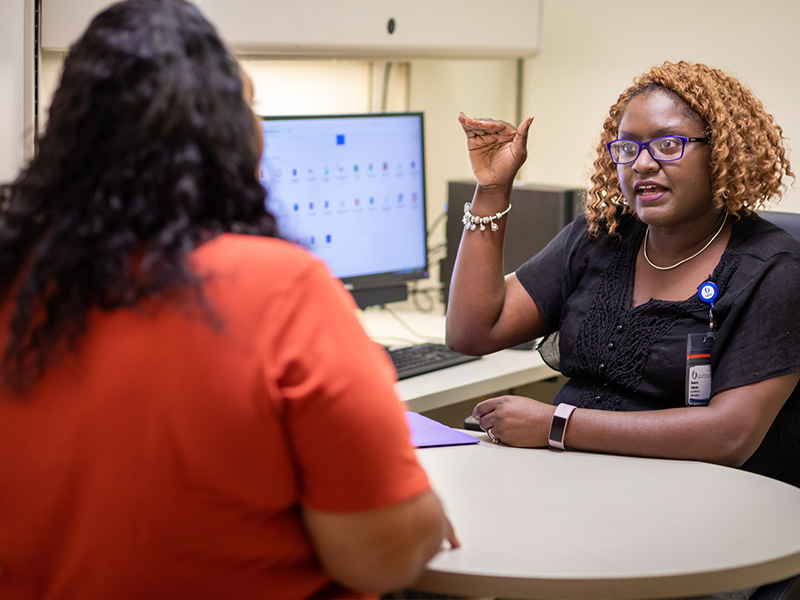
<point x="343" y="28"/>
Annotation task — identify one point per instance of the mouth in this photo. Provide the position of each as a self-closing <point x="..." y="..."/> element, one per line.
<point x="648" y="191"/>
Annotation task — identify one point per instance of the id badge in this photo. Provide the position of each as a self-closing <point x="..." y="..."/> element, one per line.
<point x="698" y="368"/>
<point x="698" y="352"/>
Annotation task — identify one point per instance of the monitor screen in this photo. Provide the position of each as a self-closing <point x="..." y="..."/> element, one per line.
<point x="351" y="189"/>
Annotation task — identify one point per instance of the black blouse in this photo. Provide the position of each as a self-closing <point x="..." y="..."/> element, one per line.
<point x="620" y="357"/>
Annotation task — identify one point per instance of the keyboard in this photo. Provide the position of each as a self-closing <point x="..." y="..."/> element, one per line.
<point x="424" y="358"/>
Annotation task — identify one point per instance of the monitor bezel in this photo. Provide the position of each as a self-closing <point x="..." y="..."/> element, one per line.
<point x="387" y="286"/>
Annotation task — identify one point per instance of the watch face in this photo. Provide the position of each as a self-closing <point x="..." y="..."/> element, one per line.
<point x="557" y="429"/>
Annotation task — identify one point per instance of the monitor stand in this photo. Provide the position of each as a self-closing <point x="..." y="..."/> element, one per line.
<point x="381" y="295"/>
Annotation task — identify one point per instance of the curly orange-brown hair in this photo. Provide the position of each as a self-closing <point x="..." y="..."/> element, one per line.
<point x="749" y="166"/>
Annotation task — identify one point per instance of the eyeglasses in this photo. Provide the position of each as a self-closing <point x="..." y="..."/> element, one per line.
<point x="662" y="149"/>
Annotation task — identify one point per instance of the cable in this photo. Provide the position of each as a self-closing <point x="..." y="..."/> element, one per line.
<point x="417" y="294"/>
<point x="409" y="328"/>
<point x="436" y="222"/>
<point x="387" y="341"/>
<point x="437" y="248"/>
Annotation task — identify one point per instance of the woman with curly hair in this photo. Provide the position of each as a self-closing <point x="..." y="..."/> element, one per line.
<point x="671" y="306"/>
<point x="189" y="406"/>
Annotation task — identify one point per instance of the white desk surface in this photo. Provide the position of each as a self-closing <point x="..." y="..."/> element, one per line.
<point x="491" y="374"/>
<point x="550" y="524"/>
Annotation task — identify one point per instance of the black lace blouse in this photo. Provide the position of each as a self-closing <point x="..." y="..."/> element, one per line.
<point x="620" y="357"/>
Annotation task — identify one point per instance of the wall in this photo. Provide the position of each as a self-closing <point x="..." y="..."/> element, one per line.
<point x="568" y="86"/>
<point x="442" y="89"/>
<point x="582" y="68"/>
<point x="12" y="81"/>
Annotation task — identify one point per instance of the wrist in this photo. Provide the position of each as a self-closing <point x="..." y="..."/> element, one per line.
<point x="492" y="197"/>
<point x="474" y="222"/>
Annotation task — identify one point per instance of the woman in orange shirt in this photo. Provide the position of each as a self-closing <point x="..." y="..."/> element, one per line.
<point x="189" y="406"/>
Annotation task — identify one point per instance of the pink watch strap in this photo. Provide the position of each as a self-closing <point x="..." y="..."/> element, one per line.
<point x="558" y="428"/>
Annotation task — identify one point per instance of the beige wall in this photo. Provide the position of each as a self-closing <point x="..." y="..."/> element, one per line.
<point x="12" y="78"/>
<point x="568" y="86"/>
<point x="581" y="71"/>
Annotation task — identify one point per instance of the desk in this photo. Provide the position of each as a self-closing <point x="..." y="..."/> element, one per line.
<point x="492" y="374"/>
<point x="550" y="524"/>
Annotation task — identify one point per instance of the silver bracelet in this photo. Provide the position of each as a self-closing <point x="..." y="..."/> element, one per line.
<point x="474" y="222"/>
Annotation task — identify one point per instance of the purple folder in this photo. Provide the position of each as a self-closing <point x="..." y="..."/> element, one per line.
<point x="427" y="433"/>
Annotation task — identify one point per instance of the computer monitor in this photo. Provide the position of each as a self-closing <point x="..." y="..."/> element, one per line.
<point x="351" y="189"/>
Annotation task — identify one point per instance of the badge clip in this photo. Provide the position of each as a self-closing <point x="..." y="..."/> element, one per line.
<point x="698" y="352"/>
<point x="708" y="292"/>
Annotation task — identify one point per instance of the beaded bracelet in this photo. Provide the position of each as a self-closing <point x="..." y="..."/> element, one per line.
<point x="474" y="222"/>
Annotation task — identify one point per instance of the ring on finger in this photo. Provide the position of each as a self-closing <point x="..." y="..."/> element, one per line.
<point x="495" y="440"/>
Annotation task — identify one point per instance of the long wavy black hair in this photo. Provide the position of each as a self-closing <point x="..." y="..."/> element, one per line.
<point x="150" y="150"/>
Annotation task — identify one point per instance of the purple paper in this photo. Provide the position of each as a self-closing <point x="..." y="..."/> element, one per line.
<point x="427" y="433"/>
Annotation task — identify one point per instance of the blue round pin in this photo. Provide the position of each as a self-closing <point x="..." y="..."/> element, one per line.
<point x="708" y="292"/>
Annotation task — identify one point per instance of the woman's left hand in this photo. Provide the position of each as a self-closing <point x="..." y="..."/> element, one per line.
<point x="497" y="149"/>
<point x="515" y="420"/>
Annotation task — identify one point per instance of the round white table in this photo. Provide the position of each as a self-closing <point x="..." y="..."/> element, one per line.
<point x="551" y="524"/>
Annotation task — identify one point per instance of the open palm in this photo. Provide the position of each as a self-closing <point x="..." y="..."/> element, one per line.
<point x="496" y="148"/>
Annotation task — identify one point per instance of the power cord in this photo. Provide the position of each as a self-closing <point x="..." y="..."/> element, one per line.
<point x="408" y="327"/>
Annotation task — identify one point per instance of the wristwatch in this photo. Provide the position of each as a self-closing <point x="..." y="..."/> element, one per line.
<point x="559" y="425"/>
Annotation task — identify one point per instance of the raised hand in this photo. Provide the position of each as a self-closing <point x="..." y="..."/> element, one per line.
<point x="496" y="148"/>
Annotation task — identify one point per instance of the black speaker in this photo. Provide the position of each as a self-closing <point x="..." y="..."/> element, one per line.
<point x="538" y="213"/>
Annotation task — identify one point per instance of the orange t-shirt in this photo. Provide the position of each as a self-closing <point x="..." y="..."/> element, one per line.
<point x="167" y="458"/>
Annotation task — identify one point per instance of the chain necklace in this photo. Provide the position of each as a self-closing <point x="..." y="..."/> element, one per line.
<point x="695" y="255"/>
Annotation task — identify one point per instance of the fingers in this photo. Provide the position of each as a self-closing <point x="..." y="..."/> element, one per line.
<point x="471" y="124"/>
<point x="483" y="127"/>
<point x="451" y="537"/>
<point x="525" y="127"/>
<point x="520" y="140"/>
<point x="483" y="408"/>
<point x="483" y="413"/>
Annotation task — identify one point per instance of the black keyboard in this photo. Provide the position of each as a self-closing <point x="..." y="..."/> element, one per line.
<point x="424" y="358"/>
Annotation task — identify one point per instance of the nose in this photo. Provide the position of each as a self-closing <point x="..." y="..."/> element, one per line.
<point x="645" y="161"/>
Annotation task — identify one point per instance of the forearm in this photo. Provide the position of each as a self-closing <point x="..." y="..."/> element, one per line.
<point x="477" y="287"/>
<point x="678" y="433"/>
<point x="696" y="433"/>
<point x="379" y="550"/>
<point x="399" y="561"/>
<point x="727" y="431"/>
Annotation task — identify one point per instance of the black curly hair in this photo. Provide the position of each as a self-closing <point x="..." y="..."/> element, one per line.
<point x="150" y="150"/>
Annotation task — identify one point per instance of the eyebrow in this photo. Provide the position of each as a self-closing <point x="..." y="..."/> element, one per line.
<point x="627" y="135"/>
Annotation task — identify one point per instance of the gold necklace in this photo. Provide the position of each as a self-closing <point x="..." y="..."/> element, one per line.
<point x="695" y="255"/>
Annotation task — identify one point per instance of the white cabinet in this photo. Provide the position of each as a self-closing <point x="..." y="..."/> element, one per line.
<point x="344" y="28"/>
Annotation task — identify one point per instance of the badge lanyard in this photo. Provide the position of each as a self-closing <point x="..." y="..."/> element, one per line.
<point x="698" y="352"/>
